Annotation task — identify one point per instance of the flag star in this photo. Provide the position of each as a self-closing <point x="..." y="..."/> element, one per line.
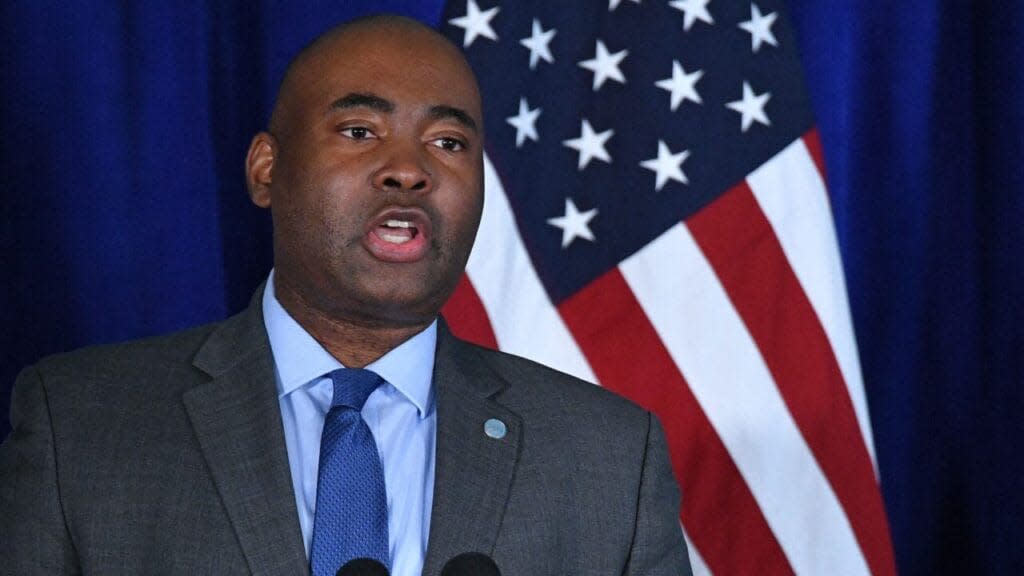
<point x="605" y="65"/>
<point x="538" y="44"/>
<point x="613" y="4"/>
<point x="751" y="107"/>
<point x="590" y="144"/>
<point x="683" y="86"/>
<point x="574" y="224"/>
<point x="760" y="28"/>
<point x="525" y="123"/>
<point x="667" y="166"/>
<point x="693" y="10"/>
<point x="475" y="23"/>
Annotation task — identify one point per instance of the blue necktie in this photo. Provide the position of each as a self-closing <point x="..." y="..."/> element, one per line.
<point x="351" y="519"/>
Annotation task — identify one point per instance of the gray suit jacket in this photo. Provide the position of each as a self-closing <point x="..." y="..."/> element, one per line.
<point x="167" y="456"/>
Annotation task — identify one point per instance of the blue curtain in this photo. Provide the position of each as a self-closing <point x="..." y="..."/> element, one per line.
<point x="920" y="105"/>
<point x="125" y="124"/>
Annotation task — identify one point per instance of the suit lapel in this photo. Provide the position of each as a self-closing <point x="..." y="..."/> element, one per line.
<point x="237" y="420"/>
<point x="474" y="472"/>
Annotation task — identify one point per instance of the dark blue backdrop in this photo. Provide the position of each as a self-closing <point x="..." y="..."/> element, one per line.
<point x="124" y="127"/>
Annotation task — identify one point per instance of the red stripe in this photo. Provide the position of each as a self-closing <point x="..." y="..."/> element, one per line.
<point x="741" y="246"/>
<point x="813" y="143"/>
<point x="467" y="317"/>
<point x="627" y="356"/>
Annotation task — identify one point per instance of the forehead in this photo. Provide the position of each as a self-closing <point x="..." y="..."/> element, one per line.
<point x="411" y="66"/>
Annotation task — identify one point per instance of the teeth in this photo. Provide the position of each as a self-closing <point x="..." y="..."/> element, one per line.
<point x="395" y="238"/>
<point x="398" y="224"/>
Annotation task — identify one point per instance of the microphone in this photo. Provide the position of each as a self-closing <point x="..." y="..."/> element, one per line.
<point x="471" y="564"/>
<point x="363" y="567"/>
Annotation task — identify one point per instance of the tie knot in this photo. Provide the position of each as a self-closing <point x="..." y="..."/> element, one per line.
<point x="352" y="386"/>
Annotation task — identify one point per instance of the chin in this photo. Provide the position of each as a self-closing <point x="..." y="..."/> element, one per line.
<point x="404" y="308"/>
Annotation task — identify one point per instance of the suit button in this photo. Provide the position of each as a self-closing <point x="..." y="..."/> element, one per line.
<point x="495" y="428"/>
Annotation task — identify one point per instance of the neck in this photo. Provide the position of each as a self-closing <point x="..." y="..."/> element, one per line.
<point x="353" y="343"/>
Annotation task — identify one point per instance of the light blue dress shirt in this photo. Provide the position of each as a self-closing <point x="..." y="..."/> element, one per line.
<point x="400" y="413"/>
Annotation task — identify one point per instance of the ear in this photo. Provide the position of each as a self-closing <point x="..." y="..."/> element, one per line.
<point x="259" y="168"/>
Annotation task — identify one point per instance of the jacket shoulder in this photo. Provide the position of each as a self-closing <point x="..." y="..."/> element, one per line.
<point x="110" y="366"/>
<point x="178" y="346"/>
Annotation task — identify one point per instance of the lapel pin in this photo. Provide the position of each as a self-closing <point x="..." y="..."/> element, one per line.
<point x="495" y="428"/>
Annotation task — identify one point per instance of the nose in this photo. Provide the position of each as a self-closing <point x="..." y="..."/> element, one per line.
<point x="406" y="169"/>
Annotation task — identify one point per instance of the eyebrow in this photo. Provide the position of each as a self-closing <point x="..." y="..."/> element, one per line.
<point x="442" y="112"/>
<point x="363" y="100"/>
<point x="375" y="102"/>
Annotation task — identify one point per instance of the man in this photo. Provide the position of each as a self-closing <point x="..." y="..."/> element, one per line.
<point x="203" y="452"/>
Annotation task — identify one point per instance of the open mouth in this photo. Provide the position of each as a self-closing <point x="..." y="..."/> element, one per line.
<point x="399" y="235"/>
<point x="397" y="231"/>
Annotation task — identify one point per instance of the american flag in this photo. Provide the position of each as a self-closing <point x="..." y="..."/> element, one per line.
<point x="656" y="221"/>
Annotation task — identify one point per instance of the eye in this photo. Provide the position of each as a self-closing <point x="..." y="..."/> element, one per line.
<point x="449" y="144"/>
<point x="357" y="133"/>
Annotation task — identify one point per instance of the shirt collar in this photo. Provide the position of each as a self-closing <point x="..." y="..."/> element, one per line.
<point x="299" y="359"/>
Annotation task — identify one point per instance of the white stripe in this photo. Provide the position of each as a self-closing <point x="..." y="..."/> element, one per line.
<point x="708" y="341"/>
<point x="700" y="568"/>
<point x="522" y="316"/>
<point x="793" y="197"/>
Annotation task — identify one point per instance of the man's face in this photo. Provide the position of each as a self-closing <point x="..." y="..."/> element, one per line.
<point x="376" y="184"/>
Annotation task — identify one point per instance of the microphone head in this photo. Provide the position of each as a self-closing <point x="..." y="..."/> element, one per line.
<point x="363" y="567"/>
<point x="471" y="564"/>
